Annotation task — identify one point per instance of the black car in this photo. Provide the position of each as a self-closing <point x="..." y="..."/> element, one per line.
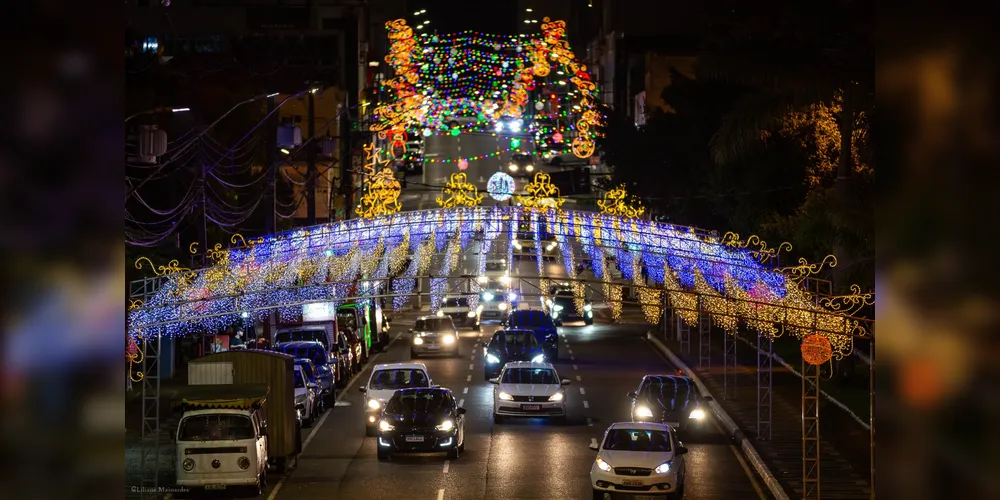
<point x="541" y="323"/>
<point x="669" y="399"/>
<point x="563" y="307"/>
<point x="425" y="420"/>
<point x="511" y="345"/>
<point x="522" y="165"/>
<point x="316" y="352"/>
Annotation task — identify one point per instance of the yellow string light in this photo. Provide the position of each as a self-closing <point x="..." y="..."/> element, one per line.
<point x="685" y="304"/>
<point x="649" y="300"/>
<point x="541" y="193"/>
<point x="758" y="247"/>
<point x="458" y="191"/>
<point x="719" y="308"/>
<point x="370" y="263"/>
<point x="613" y="297"/>
<point x="424" y="255"/>
<point x="397" y="257"/>
<point x="133" y="354"/>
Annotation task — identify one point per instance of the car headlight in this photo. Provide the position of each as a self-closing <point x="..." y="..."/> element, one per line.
<point x="504" y="396"/>
<point x="448" y="339"/>
<point x="588" y="307"/>
<point x="538" y="359"/>
<point x="697" y="414"/>
<point x="471" y="314"/>
<point x="418" y="341"/>
<point x="529" y="168"/>
<point x="492" y="359"/>
<point x="482" y="280"/>
<point x="517" y="245"/>
<point x="662" y="468"/>
<point x="557" y="307"/>
<point x="385" y="426"/>
<point x="502" y="306"/>
<point x="488" y="296"/>
<point x="188" y="464"/>
<point x="447" y="425"/>
<point x="551" y="246"/>
<point x="549" y="302"/>
<point x="374" y="404"/>
<point x="556" y="397"/>
<point x="498" y="127"/>
<point x="440" y="313"/>
<point x="512" y="296"/>
<point x="512" y="167"/>
<point x="505" y="279"/>
<point x="642" y="411"/>
<point x="604" y="466"/>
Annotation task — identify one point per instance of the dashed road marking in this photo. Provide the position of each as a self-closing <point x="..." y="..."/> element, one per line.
<point x="468" y="378"/>
<point x="571" y="351"/>
<point x="461" y="402"/>
<point x="586" y="404"/>
<point x="583" y="391"/>
<point x="465" y="390"/>
<point x="578" y="379"/>
<point x="446" y="463"/>
<point x="590" y="422"/>
<point x="441" y="494"/>
<point x="593" y="442"/>
<point x="472" y="358"/>
<point x="470" y="366"/>
<point x="572" y="358"/>
<point x="576" y="367"/>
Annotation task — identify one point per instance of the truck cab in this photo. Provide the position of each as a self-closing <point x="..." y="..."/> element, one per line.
<point x="351" y="317"/>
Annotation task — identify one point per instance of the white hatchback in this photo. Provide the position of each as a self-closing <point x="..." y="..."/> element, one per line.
<point x="529" y="389"/>
<point x="638" y="458"/>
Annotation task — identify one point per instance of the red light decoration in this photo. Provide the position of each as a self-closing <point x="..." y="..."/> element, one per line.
<point x="816" y="349"/>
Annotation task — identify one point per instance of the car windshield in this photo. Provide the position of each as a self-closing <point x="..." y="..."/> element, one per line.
<point x="564" y="295"/>
<point x="300" y="335"/>
<point x="219" y="427"/>
<point x="401" y="378"/>
<point x="495" y="265"/>
<point x="347" y="319"/>
<point x="515" y="339"/>
<point x="637" y="440"/>
<point x="456" y="302"/>
<point x="545" y="376"/>
<point x="299" y="381"/>
<point x="434" y="325"/>
<point x="314" y="354"/>
<point x="419" y="401"/>
<point x="669" y="391"/>
<point x="531" y="319"/>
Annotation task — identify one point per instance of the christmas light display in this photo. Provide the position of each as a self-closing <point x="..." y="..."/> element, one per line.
<point x="614" y="203"/>
<point x="500" y="186"/>
<point x="816" y="349"/>
<point x="541" y="193"/>
<point x="458" y="191"/>
<point x="354" y="259"/>
<point x="381" y="196"/>
<point x="649" y="301"/>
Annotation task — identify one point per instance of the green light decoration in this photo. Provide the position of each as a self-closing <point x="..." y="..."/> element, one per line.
<point x="455" y="131"/>
<point x="515" y="143"/>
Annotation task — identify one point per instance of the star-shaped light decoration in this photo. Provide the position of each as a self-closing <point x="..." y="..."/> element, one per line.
<point x="614" y="203"/>
<point x="541" y="193"/>
<point x="459" y="192"/>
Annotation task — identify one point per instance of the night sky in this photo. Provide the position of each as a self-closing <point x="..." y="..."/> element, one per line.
<point x="448" y="16"/>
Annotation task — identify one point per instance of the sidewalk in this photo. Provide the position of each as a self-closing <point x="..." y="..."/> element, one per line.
<point x="844" y="467"/>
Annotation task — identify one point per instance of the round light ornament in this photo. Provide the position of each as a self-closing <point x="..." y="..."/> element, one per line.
<point x="500" y="186"/>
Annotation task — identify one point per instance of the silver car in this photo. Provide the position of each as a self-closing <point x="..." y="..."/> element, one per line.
<point x="433" y="335"/>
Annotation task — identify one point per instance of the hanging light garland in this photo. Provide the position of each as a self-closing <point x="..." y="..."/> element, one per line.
<point x="541" y="193"/>
<point x="614" y="203"/>
<point x="650" y="302"/>
<point x="458" y="191"/>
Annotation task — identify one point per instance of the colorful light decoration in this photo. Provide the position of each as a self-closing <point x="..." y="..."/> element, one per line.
<point x="500" y="186"/>
<point x="327" y="263"/>
<point x="541" y="193"/>
<point x="381" y="196"/>
<point x="463" y="164"/>
<point x="614" y="203"/>
<point x="458" y="191"/>
<point x="816" y="349"/>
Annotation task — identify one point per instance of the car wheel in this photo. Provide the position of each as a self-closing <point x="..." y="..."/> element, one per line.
<point x="598" y="495"/>
<point x="383" y="454"/>
<point x="258" y="490"/>
<point x="678" y="494"/>
<point x="588" y="322"/>
<point x="370" y="431"/>
<point x="307" y="422"/>
<point x="497" y="419"/>
<point x="413" y="355"/>
<point x="454" y="453"/>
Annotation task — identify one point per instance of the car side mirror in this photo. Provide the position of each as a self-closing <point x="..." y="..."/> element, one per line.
<point x="681" y="450"/>
<point x="594" y="447"/>
<point x="461" y="411"/>
<point x="565" y="381"/>
<point x="632" y="395"/>
<point x="494" y="381"/>
<point x="362" y="389"/>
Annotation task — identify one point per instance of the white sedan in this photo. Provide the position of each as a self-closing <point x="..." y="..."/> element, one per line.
<point x="638" y="458"/>
<point x="529" y="389"/>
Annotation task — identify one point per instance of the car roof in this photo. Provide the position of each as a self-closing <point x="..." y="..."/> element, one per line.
<point x="414" y="389"/>
<point x="647" y="426"/>
<point x="433" y="316"/>
<point x="531" y="314"/>
<point x="300" y="343"/>
<point x="670" y="376"/>
<point x="528" y="364"/>
<point x="397" y="366"/>
<point x="303" y="361"/>
<point x="514" y="330"/>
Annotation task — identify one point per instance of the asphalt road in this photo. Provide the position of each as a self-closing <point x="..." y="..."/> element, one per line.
<point x="521" y="459"/>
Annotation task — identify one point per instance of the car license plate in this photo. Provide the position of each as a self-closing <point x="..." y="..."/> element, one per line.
<point x="215" y="486"/>
<point x="414" y="439"/>
<point x="531" y="407"/>
<point x="631" y="482"/>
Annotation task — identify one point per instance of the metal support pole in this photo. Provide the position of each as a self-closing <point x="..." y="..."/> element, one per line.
<point x="765" y="347"/>
<point x="149" y="444"/>
<point x="704" y="338"/>
<point x="871" y="410"/>
<point x="684" y="332"/>
<point x="311" y="162"/>
<point x="729" y="364"/>
<point x="810" y="432"/>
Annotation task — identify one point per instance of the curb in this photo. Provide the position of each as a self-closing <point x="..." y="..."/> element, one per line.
<point x="727" y="422"/>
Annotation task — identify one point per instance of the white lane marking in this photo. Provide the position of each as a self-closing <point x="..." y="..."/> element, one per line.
<point x="465" y="390"/>
<point x="468" y="378"/>
<point x="472" y="358"/>
<point x="470" y="366"/>
<point x="578" y="379"/>
<point x="576" y="367"/>
<point x="739" y="458"/>
<point x="582" y="391"/>
<point x="445" y="467"/>
<point x="461" y="402"/>
<point x="571" y="351"/>
<point x="593" y="442"/>
<point x="572" y="358"/>
<point x="586" y="404"/>
<point x="441" y="494"/>
<point x="590" y="422"/>
<point x="322" y="420"/>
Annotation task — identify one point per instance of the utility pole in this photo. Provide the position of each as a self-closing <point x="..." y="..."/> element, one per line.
<point x="271" y="164"/>
<point x="311" y="163"/>
<point x="349" y="84"/>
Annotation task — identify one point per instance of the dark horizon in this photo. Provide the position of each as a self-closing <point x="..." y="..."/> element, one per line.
<point x="451" y="16"/>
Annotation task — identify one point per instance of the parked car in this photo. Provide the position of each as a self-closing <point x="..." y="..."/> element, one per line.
<point x="315" y="352"/>
<point x="637" y="458"/>
<point x="305" y="398"/>
<point x="326" y="388"/>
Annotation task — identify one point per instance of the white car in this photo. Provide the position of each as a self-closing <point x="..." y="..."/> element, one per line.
<point x="638" y="458"/>
<point x="305" y="398"/>
<point x="529" y="389"/>
<point x="385" y="380"/>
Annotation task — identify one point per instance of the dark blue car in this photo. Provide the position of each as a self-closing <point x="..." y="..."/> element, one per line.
<point x="511" y="345"/>
<point x="326" y="388"/>
<point x="323" y="371"/>
<point x="541" y="323"/>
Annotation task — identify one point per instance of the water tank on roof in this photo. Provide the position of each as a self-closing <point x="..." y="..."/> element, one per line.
<point x="152" y="143"/>
<point x="289" y="136"/>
